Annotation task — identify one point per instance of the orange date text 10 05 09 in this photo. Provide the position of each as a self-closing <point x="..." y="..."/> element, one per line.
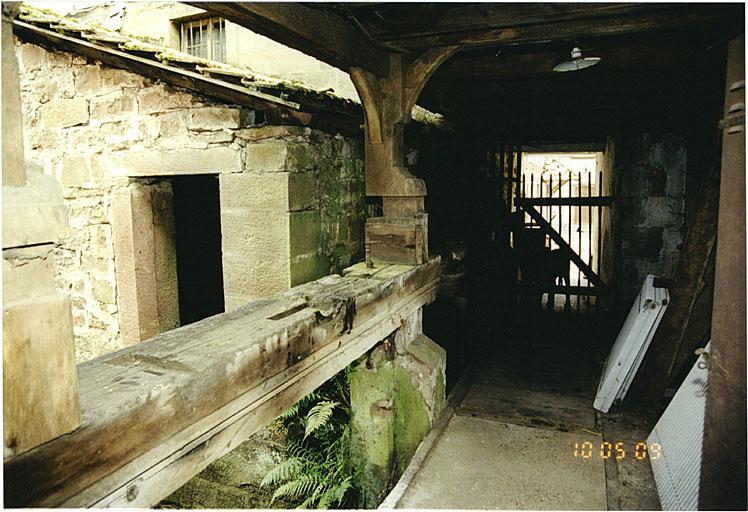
<point x="618" y="451"/>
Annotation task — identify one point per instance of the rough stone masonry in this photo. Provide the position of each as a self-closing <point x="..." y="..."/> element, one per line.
<point x="292" y="199"/>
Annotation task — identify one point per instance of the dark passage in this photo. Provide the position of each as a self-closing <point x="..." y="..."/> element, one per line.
<point x="198" y="240"/>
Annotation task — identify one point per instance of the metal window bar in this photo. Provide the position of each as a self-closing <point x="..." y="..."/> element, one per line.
<point x="205" y="38"/>
<point x="218" y="40"/>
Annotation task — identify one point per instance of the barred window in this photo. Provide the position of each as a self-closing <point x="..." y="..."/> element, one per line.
<point x="205" y="38"/>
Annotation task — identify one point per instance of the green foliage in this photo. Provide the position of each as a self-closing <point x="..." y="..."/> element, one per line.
<point x="318" y="472"/>
<point x="318" y="416"/>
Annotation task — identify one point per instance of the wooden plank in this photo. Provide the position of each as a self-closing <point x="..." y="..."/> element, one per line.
<point x="151" y="405"/>
<point x="565" y="201"/>
<point x="40" y="388"/>
<point x="399" y="240"/>
<point x="586" y="269"/>
<point x="316" y="32"/>
<point x="365" y="269"/>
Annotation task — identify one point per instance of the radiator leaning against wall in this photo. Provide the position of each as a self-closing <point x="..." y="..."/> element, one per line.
<point x="680" y="432"/>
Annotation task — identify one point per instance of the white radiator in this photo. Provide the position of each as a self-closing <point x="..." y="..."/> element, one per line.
<point x="679" y="433"/>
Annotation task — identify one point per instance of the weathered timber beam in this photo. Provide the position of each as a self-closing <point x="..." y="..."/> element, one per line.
<point x="316" y="32"/>
<point x="156" y="414"/>
<point x="438" y="18"/>
<point x="573" y="30"/>
<point x="579" y="262"/>
<point x="723" y="463"/>
<point x="170" y="74"/>
<point x="565" y="201"/>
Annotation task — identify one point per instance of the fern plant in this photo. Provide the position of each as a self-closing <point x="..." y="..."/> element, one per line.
<point x="318" y="472"/>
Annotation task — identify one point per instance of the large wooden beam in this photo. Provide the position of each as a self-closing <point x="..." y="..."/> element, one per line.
<point x="316" y="32"/>
<point x="723" y="466"/>
<point x="605" y="23"/>
<point x="156" y="414"/>
<point x="390" y="20"/>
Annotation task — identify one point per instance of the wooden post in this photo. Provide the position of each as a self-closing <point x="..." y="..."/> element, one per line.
<point x="401" y="235"/>
<point x="14" y="167"/>
<point x="723" y="466"/>
<point x="40" y="384"/>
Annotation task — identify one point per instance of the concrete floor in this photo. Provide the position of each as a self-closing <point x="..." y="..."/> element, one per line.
<point x="496" y="465"/>
<point x="511" y="441"/>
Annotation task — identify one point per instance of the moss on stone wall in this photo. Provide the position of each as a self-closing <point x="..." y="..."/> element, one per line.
<point x="394" y="403"/>
<point x="372" y="441"/>
<point x="411" y="418"/>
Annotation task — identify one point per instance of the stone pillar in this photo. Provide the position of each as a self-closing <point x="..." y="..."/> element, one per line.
<point x="145" y="259"/>
<point x="40" y="382"/>
<point x="397" y="395"/>
<point x="270" y="217"/>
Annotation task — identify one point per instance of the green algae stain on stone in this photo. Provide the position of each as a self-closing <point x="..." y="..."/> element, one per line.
<point x="440" y="396"/>
<point x="411" y="423"/>
<point x="372" y="431"/>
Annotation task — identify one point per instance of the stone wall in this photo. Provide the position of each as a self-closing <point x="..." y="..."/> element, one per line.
<point x="650" y="176"/>
<point x="103" y="132"/>
<point x="298" y="181"/>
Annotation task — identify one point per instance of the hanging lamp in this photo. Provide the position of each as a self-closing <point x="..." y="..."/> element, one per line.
<point x="577" y="62"/>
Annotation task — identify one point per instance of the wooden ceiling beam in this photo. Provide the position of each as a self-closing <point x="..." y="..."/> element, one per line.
<point x="662" y="56"/>
<point x="320" y="33"/>
<point x="390" y="20"/>
<point x="574" y="30"/>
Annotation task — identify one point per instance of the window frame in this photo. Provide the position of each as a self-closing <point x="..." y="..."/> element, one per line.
<point x="210" y="37"/>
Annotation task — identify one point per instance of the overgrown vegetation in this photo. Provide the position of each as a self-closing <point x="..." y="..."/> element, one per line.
<point x="318" y="472"/>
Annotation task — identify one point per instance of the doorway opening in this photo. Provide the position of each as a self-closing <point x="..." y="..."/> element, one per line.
<point x="555" y="209"/>
<point x="197" y="223"/>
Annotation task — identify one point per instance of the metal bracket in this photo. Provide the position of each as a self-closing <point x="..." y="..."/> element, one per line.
<point x="731" y="121"/>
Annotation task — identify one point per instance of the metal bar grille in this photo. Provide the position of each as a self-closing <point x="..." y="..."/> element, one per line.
<point x="562" y="200"/>
<point x="205" y="38"/>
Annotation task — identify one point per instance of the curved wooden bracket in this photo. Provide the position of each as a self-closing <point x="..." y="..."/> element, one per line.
<point x="388" y="103"/>
<point x="370" y="94"/>
<point x="421" y="70"/>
